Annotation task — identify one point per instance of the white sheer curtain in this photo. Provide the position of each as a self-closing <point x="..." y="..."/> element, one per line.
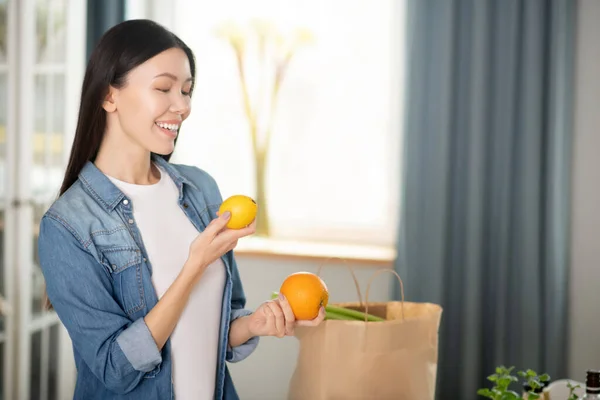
<point x="333" y="168"/>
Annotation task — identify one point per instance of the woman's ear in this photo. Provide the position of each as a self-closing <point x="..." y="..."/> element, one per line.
<point x="109" y="104"/>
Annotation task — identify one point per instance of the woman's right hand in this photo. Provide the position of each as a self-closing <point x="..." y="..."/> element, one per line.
<point x="214" y="242"/>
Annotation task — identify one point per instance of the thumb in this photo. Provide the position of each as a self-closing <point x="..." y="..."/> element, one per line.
<point x="217" y="224"/>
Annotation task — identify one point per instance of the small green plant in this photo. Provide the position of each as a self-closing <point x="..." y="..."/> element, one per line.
<point x="572" y="395"/>
<point x="504" y="378"/>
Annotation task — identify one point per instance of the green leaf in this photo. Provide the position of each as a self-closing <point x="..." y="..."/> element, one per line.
<point x="531" y="373"/>
<point x="492" y="378"/>
<point x="545" y="378"/>
<point x="534" y="384"/>
<point x="510" y="395"/>
<point x="505" y="382"/>
<point x="485" y="393"/>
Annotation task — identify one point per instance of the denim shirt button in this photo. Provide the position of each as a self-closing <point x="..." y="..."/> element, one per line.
<point x="125" y="201"/>
<point x="130" y="221"/>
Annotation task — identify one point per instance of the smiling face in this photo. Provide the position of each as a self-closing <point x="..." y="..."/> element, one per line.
<point x="149" y="109"/>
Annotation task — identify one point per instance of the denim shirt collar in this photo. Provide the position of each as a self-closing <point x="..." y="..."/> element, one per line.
<point x="108" y="195"/>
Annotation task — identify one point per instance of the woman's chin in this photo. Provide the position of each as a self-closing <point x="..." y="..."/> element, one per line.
<point x="163" y="150"/>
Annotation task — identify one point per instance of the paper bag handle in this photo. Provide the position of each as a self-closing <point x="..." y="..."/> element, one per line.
<point x="351" y="271"/>
<point x="369" y="288"/>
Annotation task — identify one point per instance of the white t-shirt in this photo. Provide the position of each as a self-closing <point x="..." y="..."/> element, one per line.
<point x="167" y="234"/>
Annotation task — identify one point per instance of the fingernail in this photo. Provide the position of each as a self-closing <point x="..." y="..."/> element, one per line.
<point x="226" y="214"/>
<point x="281" y="297"/>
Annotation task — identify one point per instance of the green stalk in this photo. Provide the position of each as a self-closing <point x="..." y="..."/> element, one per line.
<point x="342" y="313"/>
<point x="353" y="314"/>
<point x="335" y="316"/>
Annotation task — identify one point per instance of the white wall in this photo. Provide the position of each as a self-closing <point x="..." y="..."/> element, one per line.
<point x="585" y="262"/>
<point x="266" y="373"/>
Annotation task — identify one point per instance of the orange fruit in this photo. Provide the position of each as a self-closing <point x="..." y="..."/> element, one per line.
<point x="306" y="292"/>
<point x="242" y="208"/>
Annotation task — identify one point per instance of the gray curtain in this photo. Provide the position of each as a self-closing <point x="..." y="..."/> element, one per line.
<point x="485" y="210"/>
<point x="101" y="16"/>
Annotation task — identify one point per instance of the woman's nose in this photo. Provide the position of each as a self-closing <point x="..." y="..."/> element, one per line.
<point x="180" y="105"/>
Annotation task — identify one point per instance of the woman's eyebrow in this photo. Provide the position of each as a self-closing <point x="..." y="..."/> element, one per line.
<point x="169" y="75"/>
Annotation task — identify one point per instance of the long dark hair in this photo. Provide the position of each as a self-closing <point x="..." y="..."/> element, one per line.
<point x="122" y="48"/>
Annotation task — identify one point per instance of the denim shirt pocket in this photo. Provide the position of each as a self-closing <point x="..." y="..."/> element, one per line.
<point x="125" y="266"/>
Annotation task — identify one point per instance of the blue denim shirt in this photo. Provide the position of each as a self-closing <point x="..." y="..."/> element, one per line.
<point x="98" y="279"/>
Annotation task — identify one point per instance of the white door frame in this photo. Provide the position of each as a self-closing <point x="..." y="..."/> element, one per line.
<point x="10" y="191"/>
<point x="19" y="243"/>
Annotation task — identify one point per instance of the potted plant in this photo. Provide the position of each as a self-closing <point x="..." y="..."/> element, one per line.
<point x="533" y="385"/>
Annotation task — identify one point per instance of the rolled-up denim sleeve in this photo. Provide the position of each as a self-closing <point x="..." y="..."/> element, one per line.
<point x="238" y="302"/>
<point x="118" y="350"/>
<point x="238" y="353"/>
<point x="139" y="346"/>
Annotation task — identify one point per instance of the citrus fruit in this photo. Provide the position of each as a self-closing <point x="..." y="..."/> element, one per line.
<point x="242" y="208"/>
<point x="306" y="293"/>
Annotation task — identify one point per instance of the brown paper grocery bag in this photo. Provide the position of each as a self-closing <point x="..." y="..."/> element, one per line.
<point x="394" y="359"/>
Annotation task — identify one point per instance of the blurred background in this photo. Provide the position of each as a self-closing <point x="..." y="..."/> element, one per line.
<point x="454" y="141"/>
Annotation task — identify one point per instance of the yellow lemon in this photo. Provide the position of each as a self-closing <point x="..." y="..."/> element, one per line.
<point x="242" y="208"/>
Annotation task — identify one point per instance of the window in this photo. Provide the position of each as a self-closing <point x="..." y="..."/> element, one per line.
<point x="333" y="168"/>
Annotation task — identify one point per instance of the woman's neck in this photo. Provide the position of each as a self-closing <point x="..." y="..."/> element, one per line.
<point x="127" y="164"/>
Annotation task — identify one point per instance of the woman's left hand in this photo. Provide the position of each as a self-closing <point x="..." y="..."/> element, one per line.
<point x="275" y="318"/>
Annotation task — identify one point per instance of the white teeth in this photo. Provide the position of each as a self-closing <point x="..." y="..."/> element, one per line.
<point x="172" y="127"/>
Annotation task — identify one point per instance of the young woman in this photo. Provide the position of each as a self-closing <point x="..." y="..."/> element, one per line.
<point x="138" y="265"/>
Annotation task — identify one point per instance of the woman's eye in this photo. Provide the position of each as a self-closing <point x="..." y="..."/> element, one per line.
<point x="163" y="90"/>
<point x="183" y="92"/>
